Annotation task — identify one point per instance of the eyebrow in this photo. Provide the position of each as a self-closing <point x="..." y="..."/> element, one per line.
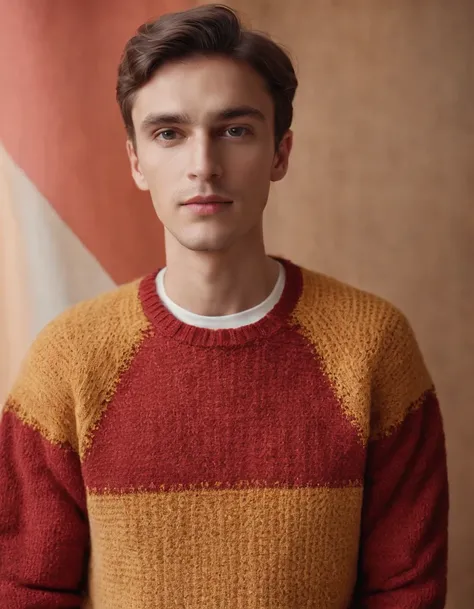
<point x="159" y="120"/>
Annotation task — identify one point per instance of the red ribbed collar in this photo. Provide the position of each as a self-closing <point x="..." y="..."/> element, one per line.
<point x="165" y="323"/>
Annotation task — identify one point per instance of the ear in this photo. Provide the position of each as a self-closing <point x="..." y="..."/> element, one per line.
<point x="137" y="174"/>
<point x="281" y="158"/>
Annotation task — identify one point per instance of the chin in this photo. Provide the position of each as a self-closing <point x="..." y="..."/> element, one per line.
<point x="205" y="243"/>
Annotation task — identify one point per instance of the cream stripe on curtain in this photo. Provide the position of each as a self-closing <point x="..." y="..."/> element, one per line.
<point x="15" y="323"/>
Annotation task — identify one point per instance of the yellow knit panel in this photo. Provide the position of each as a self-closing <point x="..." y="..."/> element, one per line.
<point x="401" y="380"/>
<point x="250" y="548"/>
<point x="366" y="349"/>
<point x="73" y="367"/>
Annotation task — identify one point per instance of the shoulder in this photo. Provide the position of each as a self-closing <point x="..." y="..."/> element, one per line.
<point x="81" y="350"/>
<point x="367" y="347"/>
<point x="356" y="317"/>
<point x="89" y="326"/>
<point x="119" y="305"/>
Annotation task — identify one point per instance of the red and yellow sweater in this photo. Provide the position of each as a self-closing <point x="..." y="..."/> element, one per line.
<point x="296" y="462"/>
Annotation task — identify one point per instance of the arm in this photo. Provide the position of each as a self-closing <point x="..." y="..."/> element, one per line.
<point x="43" y="524"/>
<point x="405" y="514"/>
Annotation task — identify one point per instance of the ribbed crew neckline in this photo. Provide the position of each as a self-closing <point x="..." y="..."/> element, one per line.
<point x="168" y="325"/>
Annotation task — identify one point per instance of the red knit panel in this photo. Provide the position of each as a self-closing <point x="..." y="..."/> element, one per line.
<point x="404" y="544"/>
<point x="43" y="530"/>
<point x="262" y="414"/>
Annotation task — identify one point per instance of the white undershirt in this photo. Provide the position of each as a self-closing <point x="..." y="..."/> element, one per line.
<point x="219" y="322"/>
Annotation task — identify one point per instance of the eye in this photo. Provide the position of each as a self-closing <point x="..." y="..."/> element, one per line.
<point x="166" y="135"/>
<point x="236" y="132"/>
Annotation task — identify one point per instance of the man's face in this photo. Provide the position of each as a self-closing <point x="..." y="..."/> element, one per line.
<point x="204" y="127"/>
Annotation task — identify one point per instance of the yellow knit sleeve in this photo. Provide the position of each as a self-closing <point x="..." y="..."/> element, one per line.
<point x="41" y="396"/>
<point x="73" y="367"/>
<point x="401" y="378"/>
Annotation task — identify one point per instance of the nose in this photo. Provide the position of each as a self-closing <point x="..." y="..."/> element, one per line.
<point x="205" y="164"/>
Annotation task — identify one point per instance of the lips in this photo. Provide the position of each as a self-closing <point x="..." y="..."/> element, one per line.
<point x="208" y="205"/>
<point x="207" y="200"/>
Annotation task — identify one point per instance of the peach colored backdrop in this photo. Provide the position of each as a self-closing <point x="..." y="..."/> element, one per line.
<point x="381" y="187"/>
<point x="380" y="191"/>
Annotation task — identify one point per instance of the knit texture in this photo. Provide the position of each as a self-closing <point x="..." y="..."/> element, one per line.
<point x="295" y="462"/>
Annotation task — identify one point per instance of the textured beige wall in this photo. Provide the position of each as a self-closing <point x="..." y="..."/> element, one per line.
<point x="381" y="187"/>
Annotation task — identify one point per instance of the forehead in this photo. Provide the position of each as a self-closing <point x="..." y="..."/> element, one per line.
<point x="202" y="87"/>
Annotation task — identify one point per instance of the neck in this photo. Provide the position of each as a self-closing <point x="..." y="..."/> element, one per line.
<point x="219" y="283"/>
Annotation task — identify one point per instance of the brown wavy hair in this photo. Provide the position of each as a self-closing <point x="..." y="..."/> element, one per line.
<point x="211" y="29"/>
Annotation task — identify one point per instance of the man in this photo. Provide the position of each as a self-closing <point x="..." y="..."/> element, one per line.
<point x="234" y="430"/>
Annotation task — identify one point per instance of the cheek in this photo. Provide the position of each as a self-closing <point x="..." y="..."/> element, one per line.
<point x="161" y="161"/>
<point x="254" y="185"/>
<point x="160" y="174"/>
<point x="253" y="164"/>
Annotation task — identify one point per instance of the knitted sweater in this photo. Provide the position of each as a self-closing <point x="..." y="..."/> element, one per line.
<point x="295" y="462"/>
